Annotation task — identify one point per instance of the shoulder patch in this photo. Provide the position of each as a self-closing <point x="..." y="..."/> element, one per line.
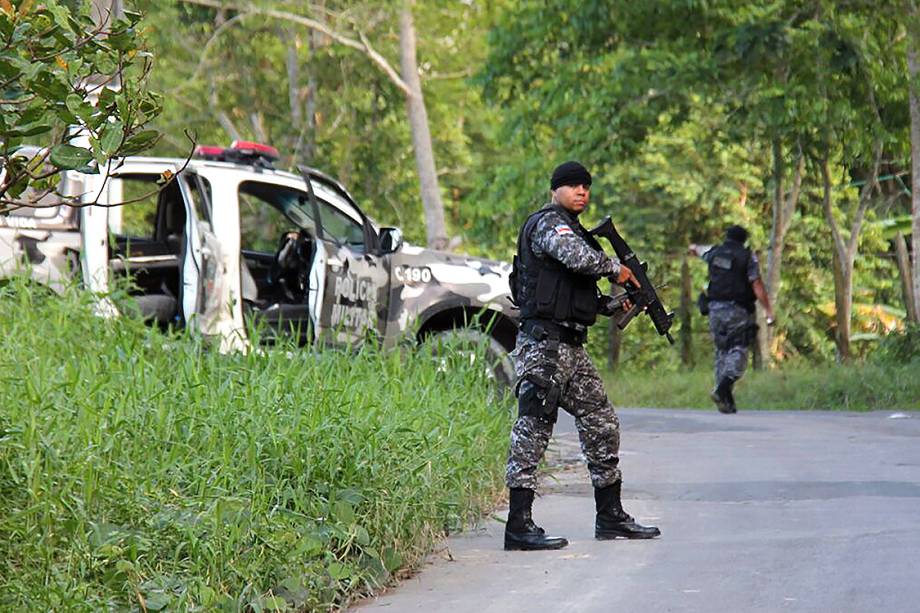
<point x="563" y="229"/>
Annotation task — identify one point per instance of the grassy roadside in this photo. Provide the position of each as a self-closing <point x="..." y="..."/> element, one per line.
<point x="859" y="387"/>
<point x="138" y="470"/>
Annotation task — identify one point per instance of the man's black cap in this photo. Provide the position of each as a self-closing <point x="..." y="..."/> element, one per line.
<point x="570" y="173"/>
<point x="736" y="233"/>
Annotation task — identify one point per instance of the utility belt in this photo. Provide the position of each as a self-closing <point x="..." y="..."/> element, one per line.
<point x="544" y="329"/>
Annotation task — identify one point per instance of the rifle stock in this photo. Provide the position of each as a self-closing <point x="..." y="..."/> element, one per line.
<point x="644" y="298"/>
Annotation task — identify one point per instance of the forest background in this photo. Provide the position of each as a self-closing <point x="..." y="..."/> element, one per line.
<point x="791" y="118"/>
<point x="795" y="119"/>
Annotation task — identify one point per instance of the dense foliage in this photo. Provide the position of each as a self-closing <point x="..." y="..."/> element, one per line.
<point x="690" y="115"/>
<point x="141" y="469"/>
<point x="73" y="86"/>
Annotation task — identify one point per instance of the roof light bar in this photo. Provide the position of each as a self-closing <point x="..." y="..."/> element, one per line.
<point x="209" y="152"/>
<point x="239" y="152"/>
<point x="247" y="147"/>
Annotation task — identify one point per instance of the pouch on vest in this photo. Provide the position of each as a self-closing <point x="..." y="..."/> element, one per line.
<point x="547" y="294"/>
<point x="585" y="301"/>
<point x="514" y="279"/>
<point x="702" y="303"/>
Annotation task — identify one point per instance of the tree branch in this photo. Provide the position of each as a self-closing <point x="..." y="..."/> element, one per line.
<point x="865" y="197"/>
<point x="361" y="45"/>
<point x="7" y="205"/>
<point x="790" y="203"/>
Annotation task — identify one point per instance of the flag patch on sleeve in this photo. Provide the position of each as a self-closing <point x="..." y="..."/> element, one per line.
<point x="563" y="229"/>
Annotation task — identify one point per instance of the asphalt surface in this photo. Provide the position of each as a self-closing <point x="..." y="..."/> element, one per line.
<point x="759" y="511"/>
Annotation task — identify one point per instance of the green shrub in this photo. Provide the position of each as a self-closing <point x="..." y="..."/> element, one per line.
<point x="899" y="347"/>
<point x="861" y="386"/>
<point x="139" y="469"/>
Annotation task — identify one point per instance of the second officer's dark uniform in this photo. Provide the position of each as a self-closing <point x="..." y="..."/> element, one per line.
<point x="734" y="278"/>
<point x="556" y="272"/>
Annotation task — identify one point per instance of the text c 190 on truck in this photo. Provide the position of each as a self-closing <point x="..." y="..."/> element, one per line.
<point x="233" y="239"/>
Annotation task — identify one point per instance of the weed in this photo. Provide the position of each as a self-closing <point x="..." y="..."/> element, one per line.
<point x="139" y="469"/>
<point x="861" y="386"/>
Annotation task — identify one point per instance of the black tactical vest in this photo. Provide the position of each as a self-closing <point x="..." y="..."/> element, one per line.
<point x="544" y="289"/>
<point x="728" y="280"/>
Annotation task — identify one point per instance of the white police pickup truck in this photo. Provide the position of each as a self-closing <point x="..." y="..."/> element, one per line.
<point x="230" y="238"/>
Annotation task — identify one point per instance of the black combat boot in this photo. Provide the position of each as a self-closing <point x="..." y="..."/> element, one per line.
<point x="723" y="396"/>
<point x="612" y="521"/>
<point x="521" y="534"/>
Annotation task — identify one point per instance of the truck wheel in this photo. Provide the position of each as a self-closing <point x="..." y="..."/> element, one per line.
<point x="473" y="343"/>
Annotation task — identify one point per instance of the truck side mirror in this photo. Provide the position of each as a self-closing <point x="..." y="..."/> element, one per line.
<point x="391" y="240"/>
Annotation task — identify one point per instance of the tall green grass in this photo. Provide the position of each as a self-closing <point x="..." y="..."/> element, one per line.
<point x="141" y="470"/>
<point x="863" y="386"/>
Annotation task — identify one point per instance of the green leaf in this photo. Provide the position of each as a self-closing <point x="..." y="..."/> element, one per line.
<point x="139" y="142"/>
<point x="15" y="190"/>
<point x="343" y="512"/>
<point x="122" y="39"/>
<point x="133" y="17"/>
<point x="274" y="603"/>
<point x="64" y="114"/>
<point x="7" y="68"/>
<point x="6" y="26"/>
<point x="98" y="154"/>
<point x="157" y="601"/>
<point x="73" y="103"/>
<point x="310" y="546"/>
<point x="339" y="571"/>
<point x="362" y="536"/>
<point x="112" y="137"/>
<point x="32" y="114"/>
<point x="104" y="62"/>
<point x="34" y="129"/>
<point x="69" y="157"/>
<point x="49" y="87"/>
<point x="350" y="495"/>
<point x="392" y="559"/>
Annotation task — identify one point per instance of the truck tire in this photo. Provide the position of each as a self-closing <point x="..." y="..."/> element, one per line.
<point x="469" y="341"/>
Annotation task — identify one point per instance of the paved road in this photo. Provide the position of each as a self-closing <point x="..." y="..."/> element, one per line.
<point x="760" y="511"/>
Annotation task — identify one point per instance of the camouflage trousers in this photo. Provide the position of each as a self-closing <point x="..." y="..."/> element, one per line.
<point x="582" y="395"/>
<point x="727" y="324"/>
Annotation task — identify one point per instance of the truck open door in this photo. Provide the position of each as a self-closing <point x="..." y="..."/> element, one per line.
<point x="349" y="281"/>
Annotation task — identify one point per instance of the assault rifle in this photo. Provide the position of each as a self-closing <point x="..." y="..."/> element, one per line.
<point x="644" y="298"/>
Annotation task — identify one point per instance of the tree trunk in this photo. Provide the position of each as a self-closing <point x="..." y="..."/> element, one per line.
<point x="614" y="342"/>
<point x="783" y="209"/>
<point x="843" y="306"/>
<point x="907" y="290"/>
<point x="686" y="314"/>
<point x="913" y="70"/>
<point x="845" y="251"/>
<point x="409" y="83"/>
<point x="435" y="229"/>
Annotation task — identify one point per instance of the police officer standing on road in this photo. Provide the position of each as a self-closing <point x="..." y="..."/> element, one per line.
<point x="734" y="284"/>
<point x="555" y="284"/>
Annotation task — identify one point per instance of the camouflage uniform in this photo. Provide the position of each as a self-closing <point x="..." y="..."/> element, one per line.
<point x="727" y="324"/>
<point x="569" y="367"/>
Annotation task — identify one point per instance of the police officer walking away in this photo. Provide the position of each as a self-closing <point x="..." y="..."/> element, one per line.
<point x="734" y="284"/>
<point x="555" y="284"/>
